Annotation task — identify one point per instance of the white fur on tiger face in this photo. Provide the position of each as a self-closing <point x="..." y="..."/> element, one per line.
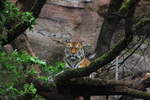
<point x="74" y="53"/>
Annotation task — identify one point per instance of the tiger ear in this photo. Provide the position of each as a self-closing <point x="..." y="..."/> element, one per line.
<point x="65" y="42"/>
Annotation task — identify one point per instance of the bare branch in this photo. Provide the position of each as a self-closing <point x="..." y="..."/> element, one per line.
<point x="134" y="50"/>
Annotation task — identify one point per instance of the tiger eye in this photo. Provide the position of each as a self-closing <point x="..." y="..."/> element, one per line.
<point x="68" y="44"/>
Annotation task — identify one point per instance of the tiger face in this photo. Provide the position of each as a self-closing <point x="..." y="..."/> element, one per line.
<point x="74" y="53"/>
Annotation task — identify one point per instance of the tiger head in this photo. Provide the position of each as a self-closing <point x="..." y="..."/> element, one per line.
<point x="74" y="52"/>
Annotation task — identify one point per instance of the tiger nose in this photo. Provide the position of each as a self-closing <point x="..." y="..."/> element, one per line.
<point x="73" y="50"/>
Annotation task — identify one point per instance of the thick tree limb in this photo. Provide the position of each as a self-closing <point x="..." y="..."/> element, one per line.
<point x="103" y="87"/>
<point x="141" y="82"/>
<point x="108" y="28"/>
<point x="21" y="27"/>
<point x="92" y="87"/>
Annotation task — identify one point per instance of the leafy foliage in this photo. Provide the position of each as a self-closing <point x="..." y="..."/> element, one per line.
<point x="13" y="68"/>
<point x="10" y="15"/>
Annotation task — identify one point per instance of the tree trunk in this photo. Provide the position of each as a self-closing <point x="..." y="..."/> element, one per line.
<point x="108" y="28"/>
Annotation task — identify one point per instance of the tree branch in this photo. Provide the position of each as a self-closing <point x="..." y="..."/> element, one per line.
<point x="21" y="27"/>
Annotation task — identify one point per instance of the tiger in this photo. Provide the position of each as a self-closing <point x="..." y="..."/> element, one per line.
<point x="75" y="55"/>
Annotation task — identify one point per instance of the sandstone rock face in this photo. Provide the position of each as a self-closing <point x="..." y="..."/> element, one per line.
<point x="59" y="21"/>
